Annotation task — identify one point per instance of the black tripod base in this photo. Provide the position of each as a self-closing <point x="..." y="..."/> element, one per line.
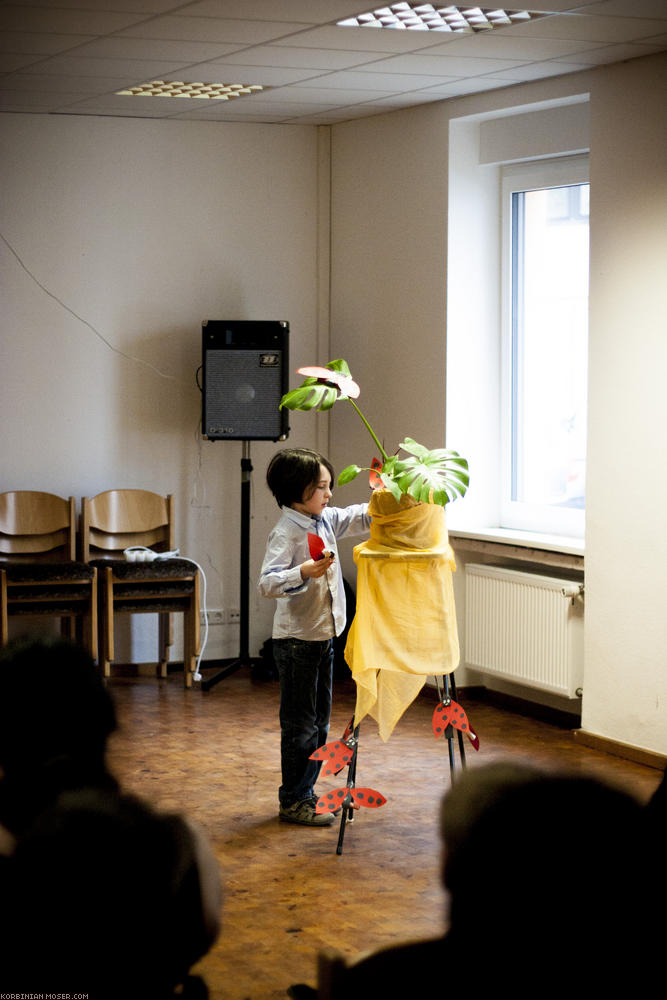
<point x="228" y="668"/>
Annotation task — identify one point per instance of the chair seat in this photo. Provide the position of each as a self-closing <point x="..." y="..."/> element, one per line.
<point x="158" y="569"/>
<point x="47" y="588"/>
<point x="42" y="572"/>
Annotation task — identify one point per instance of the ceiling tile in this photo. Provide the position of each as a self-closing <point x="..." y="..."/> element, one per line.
<point x="443" y="65"/>
<point x="75" y="22"/>
<point x="509" y="46"/>
<point x="538" y="71"/>
<point x="269" y="76"/>
<point x="203" y="29"/>
<point x="313" y="11"/>
<point x="12" y="61"/>
<point x="391" y="82"/>
<point x="133" y="70"/>
<point x="279" y="55"/>
<point x="42" y="100"/>
<point x="140" y="48"/>
<point x="46" y="44"/>
<point x="627" y="8"/>
<point x="62" y="84"/>
<point x="469" y="86"/>
<point x="320" y="95"/>
<point x="577" y="26"/>
<point x="145" y="7"/>
<point x="369" y="39"/>
<point x="601" y="55"/>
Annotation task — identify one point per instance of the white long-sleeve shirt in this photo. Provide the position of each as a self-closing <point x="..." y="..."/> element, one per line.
<point x="312" y="609"/>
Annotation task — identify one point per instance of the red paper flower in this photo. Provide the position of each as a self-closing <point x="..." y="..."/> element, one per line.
<point x="315" y="546"/>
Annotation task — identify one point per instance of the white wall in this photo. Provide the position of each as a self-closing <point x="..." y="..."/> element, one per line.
<point x="626" y="545"/>
<point x="389" y="234"/>
<point x="389" y="273"/>
<point x="143" y="229"/>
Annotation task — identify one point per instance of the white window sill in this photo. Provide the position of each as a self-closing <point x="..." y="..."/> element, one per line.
<point x="527" y="545"/>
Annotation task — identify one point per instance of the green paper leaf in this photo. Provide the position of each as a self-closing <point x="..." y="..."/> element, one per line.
<point x="413" y="448"/>
<point x="294" y="400"/>
<point x="392" y="486"/>
<point x="437" y="476"/>
<point x="339" y="365"/>
<point x="348" y="474"/>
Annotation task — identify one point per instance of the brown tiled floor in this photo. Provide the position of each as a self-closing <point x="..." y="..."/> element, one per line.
<point x="288" y="894"/>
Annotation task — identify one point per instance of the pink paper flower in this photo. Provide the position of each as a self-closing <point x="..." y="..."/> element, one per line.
<point x="345" y="383"/>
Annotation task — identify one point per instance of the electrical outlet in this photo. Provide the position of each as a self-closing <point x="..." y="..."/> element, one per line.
<point x="234" y="616"/>
<point x="215" y="617"/>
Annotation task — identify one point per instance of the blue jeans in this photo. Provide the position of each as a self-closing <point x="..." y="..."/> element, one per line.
<point x="305" y="670"/>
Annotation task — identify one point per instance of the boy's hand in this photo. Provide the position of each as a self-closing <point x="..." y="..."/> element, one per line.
<point x="312" y="569"/>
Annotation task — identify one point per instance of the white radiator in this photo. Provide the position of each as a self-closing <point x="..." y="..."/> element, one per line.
<point x="524" y="627"/>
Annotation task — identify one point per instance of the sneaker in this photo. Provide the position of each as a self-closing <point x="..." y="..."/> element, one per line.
<point x="304" y="814"/>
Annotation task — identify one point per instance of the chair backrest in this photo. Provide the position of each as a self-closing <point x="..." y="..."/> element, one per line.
<point x="36" y="527"/>
<point x="117" y="519"/>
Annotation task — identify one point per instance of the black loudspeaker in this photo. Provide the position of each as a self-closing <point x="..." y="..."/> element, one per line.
<point x="245" y="375"/>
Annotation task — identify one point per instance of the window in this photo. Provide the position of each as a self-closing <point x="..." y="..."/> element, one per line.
<point x="516" y="374"/>
<point x="544" y="302"/>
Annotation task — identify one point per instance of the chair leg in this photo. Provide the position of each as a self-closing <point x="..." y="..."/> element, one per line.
<point x="191" y="636"/>
<point x="107" y="652"/>
<point x="165" y="640"/>
<point x="68" y="628"/>
<point x="197" y="647"/>
<point x="91" y="619"/>
<point x="4" y="625"/>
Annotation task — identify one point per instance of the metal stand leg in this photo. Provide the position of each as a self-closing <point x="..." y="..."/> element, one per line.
<point x="347" y="812"/>
<point x="462" y="748"/>
<point x="243" y="659"/>
<point x="446" y="696"/>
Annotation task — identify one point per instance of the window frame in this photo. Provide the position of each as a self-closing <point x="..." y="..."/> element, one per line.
<point x="527" y="176"/>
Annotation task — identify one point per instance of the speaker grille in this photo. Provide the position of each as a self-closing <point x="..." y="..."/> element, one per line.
<point x="243" y="390"/>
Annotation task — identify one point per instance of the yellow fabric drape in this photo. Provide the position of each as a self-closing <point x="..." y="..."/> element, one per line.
<point x="405" y="625"/>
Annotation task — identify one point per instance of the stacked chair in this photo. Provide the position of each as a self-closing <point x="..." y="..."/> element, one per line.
<point x="38" y="571"/>
<point x="119" y="519"/>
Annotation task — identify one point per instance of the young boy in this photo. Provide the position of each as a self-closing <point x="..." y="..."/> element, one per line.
<point x="310" y="611"/>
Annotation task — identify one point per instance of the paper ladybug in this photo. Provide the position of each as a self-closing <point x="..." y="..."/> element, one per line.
<point x="450" y="713"/>
<point x="346" y="797"/>
<point x="334" y="756"/>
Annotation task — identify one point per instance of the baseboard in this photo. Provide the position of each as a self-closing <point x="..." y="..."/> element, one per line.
<point x="636" y="754"/>
<point x="144" y="669"/>
<point x="520" y="706"/>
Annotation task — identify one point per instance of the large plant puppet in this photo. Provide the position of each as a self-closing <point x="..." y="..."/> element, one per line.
<point x="436" y="476"/>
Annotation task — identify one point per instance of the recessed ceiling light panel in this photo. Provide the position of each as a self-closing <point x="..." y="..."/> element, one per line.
<point x="202" y="91"/>
<point x="428" y="17"/>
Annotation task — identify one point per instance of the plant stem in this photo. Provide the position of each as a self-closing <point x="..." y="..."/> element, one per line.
<point x="370" y="430"/>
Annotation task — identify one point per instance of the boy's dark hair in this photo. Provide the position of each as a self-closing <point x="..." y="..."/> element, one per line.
<point x="292" y="470"/>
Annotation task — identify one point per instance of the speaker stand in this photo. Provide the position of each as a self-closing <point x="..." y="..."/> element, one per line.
<point x="243" y="659"/>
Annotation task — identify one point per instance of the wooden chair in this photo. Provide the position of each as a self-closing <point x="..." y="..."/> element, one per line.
<point x="38" y="571"/>
<point x="119" y="519"/>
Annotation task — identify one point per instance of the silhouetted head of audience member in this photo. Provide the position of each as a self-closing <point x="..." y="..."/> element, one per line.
<point x="113" y="888"/>
<point x="55" y="720"/>
<point x="548" y="876"/>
